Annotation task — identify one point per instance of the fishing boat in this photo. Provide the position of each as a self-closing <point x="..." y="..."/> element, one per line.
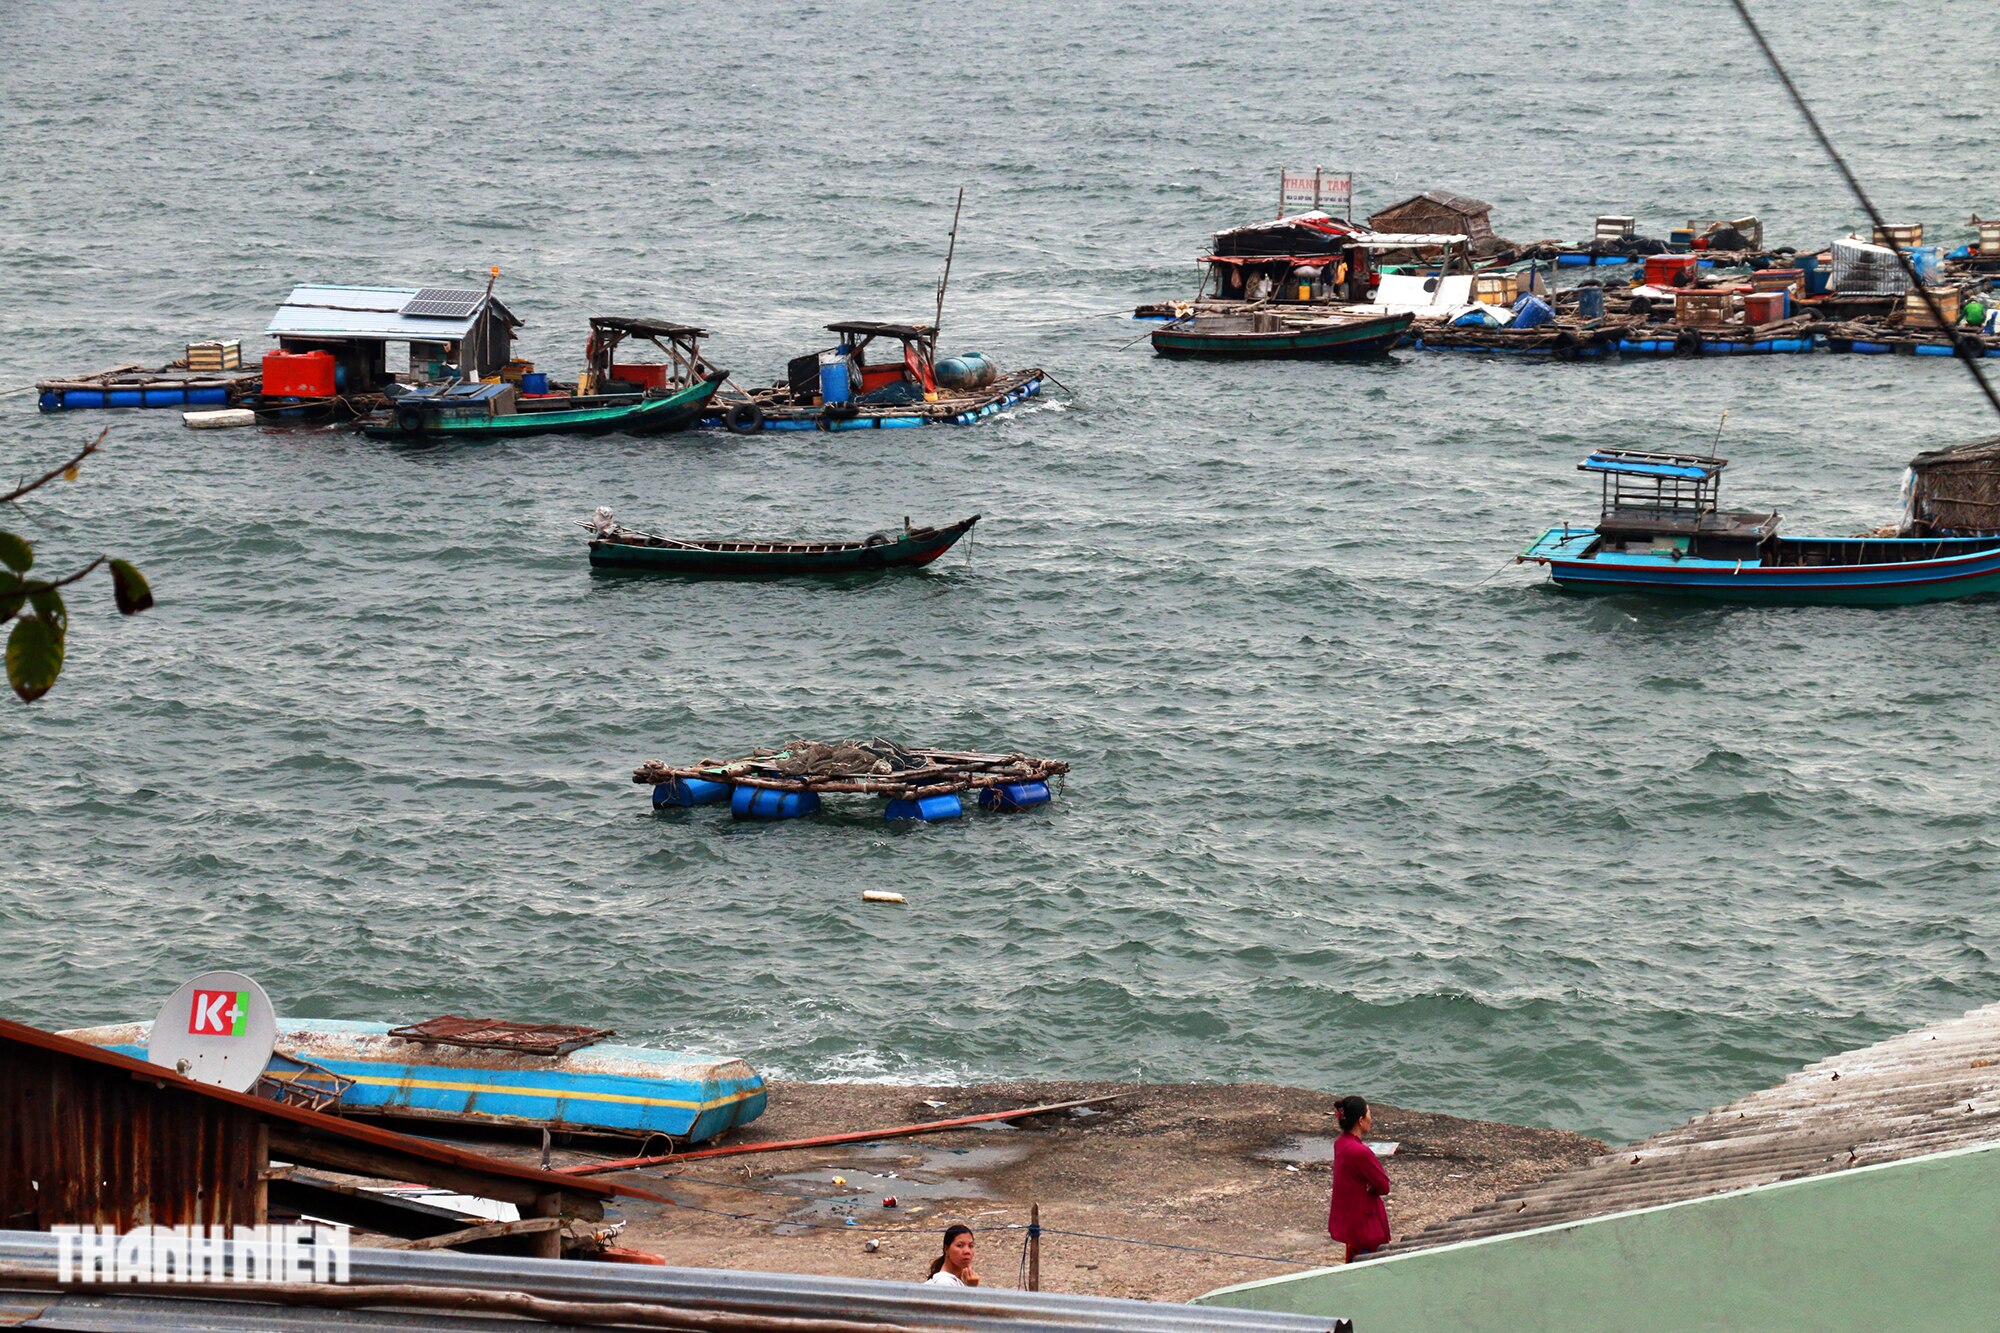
<point x="484" y="1071"/>
<point x="842" y="388"/>
<point x="1274" y="337"/>
<point x="1660" y="530"/>
<point x="497" y="411"/>
<point x="613" y="547"/>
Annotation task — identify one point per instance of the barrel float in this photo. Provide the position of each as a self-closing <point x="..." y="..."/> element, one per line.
<point x="1014" y="796"/>
<point x="955" y="372"/>
<point x="679" y="793"/>
<point x="930" y="809"/>
<point x="763" y="803"/>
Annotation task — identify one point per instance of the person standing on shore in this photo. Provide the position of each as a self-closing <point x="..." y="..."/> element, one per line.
<point x="953" y="1268"/>
<point x="1357" y="1217"/>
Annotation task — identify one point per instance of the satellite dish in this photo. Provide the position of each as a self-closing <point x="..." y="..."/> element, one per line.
<point x="218" y="1028"/>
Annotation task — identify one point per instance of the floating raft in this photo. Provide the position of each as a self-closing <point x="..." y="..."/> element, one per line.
<point x="1870" y="339"/>
<point x="510" y="1079"/>
<point x="928" y="785"/>
<point x="136" y="386"/>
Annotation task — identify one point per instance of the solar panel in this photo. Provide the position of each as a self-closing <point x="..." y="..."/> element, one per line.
<point x="443" y="303"/>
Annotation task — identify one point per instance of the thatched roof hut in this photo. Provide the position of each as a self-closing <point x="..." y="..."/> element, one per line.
<point x="1954" y="492"/>
<point x="1442" y="211"/>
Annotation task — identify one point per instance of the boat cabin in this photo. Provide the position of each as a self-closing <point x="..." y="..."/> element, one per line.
<point x="1666" y="504"/>
<point x="1312" y="257"/>
<point x="609" y="373"/>
<point x="845" y="372"/>
<point x="373" y="337"/>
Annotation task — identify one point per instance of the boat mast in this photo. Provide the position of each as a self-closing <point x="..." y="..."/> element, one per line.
<point x="937" y="319"/>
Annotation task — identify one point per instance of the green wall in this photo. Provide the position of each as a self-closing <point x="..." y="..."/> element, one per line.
<point x="1905" y="1245"/>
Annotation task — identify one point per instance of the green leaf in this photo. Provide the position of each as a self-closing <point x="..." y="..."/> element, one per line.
<point x="15" y="553"/>
<point x="129" y="586"/>
<point x="34" y="657"/>
<point x="10" y="601"/>
<point x="49" y="606"/>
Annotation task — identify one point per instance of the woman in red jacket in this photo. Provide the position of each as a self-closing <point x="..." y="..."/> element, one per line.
<point x="1357" y="1218"/>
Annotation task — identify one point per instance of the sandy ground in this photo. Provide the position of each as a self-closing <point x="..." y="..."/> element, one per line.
<point x="1221" y="1167"/>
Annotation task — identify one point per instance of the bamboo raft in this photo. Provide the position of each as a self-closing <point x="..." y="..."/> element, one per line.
<point x="918" y="783"/>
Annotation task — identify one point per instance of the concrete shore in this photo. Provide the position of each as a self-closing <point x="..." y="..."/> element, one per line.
<point x="1238" y="1167"/>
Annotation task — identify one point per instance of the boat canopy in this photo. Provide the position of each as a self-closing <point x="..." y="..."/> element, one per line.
<point x="645" y="328"/>
<point x="867" y="329"/>
<point x="1686" y="467"/>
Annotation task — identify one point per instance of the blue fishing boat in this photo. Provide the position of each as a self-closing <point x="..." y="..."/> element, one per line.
<point x="1660" y="530"/>
<point x="369" y="1069"/>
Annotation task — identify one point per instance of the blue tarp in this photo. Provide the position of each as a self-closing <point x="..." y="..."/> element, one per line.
<point x="1531" y="311"/>
<point x="1633" y="468"/>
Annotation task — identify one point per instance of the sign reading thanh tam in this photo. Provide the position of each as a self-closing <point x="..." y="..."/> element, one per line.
<point x="1317" y="190"/>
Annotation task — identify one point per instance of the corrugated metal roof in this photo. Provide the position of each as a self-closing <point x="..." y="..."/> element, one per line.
<point x="905" y="1305"/>
<point x="318" y="311"/>
<point x="1927" y="1091"/>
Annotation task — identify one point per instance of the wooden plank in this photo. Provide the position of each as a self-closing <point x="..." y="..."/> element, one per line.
<point x="485" y="1231"/>
<point x="382" y="1164"/>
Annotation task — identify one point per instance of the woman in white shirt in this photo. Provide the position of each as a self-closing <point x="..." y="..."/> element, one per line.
<point x="953" y="1268"/>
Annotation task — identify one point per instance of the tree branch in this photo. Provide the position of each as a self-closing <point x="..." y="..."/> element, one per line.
<point x="50" y="476"/>
<point x="28" y="589"/>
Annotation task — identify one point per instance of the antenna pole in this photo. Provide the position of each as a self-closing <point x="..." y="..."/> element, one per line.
<point x="937" y="320"/>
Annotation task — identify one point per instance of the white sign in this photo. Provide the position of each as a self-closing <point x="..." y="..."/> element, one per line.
<point x="202" y="1254"/>
<point x="1315" y="191"/>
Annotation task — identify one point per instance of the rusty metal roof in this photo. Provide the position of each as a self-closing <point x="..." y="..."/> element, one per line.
<point x="315" y="1123"/>
<point x="1927" y="1091"/>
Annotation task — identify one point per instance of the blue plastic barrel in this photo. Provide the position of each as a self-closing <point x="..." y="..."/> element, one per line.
<point x="834" y="384"/>
<point x="1590" y="302"/>
<point x="683" y="792"/>
<point x="1014" y="796"/>
<point x="534" y="382"/>
<point x="930" y="809"/>
<point x="763" y="803"/>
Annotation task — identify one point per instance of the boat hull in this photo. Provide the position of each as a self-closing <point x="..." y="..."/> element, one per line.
<point x="622" y="1090"/>
<point x="1880" y="583"/>
<point x="1348" y="338"/>
<point x="962" y="409"/>
<point x="909" y="551"/>
<point x="647" y="416"/>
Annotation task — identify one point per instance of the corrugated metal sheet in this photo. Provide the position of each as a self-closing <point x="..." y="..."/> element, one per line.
<point x="1924" y="1092"/>
<point x="82" y="1143"/>
<point x="315" y="311"/>
<point x="902" y="1304"/>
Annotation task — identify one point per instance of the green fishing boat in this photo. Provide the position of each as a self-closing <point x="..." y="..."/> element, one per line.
<point x="613" y="547"/>
<point x="1271" y="336"/>
<point x="467" y="412"/>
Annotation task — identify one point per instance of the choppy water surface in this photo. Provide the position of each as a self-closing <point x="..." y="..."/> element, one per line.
<point x="1343" y="815"/>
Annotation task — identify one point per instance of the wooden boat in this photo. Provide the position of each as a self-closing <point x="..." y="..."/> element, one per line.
<point x="472" y="412"/>
<point x="599" y="1089"/>
<point x="1660" y="531"/>
<point x="1271" y="337"/>
<point x="840" y="388"/>
<point x="616" y="548"/>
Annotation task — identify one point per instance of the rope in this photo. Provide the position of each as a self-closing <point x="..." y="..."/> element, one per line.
<point x="1048" y="1230"/>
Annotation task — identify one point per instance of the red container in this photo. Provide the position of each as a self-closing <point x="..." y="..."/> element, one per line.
<point x="646" y="377"/>
<point x="1666" y="270"/>
<point x="1764" y="307"/>
<point x="298" y="374"/>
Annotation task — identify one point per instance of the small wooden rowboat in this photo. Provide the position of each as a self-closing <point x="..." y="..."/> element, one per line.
<point x="600" y="1089"/>
<point x="1270" y="337"/>
<point x="1661" y="532"/>
<point x="616" y="548"/>
<point x="471" y="412"/>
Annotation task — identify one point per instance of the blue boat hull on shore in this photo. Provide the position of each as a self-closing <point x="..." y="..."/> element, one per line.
<point x="1960" y="567"/>
<point x="603" y="1089"/>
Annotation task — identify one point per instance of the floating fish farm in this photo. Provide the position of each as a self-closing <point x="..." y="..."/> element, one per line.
<point x="921" y="784"/>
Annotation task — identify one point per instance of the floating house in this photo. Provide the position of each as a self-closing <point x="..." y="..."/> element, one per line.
<point x="355" y="327"/>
